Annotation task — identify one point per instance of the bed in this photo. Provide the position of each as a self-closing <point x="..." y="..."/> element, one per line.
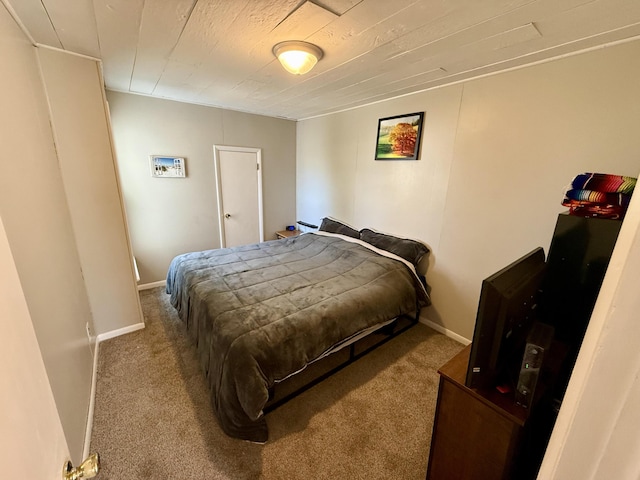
<point x="260" y="314"/>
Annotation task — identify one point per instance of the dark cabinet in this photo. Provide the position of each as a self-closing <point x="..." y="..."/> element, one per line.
<point x="477" y="433"/>
<point x="578" y="258"/>
<point x="482" y="433"/>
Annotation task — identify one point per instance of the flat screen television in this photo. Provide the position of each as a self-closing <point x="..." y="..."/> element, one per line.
<point x="506" y="312"/>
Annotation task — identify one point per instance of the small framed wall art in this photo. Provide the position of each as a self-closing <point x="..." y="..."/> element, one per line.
<point x="165" y="166"/>
<point x="399" y="137"/>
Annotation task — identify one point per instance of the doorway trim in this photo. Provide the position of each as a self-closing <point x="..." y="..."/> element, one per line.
<point x="217" y="149"/>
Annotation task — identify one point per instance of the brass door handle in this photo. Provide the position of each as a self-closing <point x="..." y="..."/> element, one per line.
<point x="87" y="469"/>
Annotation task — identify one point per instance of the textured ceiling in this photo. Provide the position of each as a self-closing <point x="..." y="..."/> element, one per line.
<point x="218" y="52"/>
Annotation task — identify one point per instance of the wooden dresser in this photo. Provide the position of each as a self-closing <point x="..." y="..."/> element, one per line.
<point x="480" y="434"/>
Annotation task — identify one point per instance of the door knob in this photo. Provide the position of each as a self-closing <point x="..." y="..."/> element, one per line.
<point x="227" y="215"/>
<point x="87" y="469"/>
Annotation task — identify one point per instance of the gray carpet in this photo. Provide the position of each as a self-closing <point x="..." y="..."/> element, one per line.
<point x="372" y="420"/>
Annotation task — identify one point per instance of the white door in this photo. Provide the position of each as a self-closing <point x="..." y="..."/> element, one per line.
<point x="32" y="441"/>
<point x="239" y="182"/>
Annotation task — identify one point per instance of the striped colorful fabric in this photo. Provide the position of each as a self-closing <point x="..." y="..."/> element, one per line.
<point x="599" y="194"/>
<point x="603" y="182"/>
<point x="603" y="198"/>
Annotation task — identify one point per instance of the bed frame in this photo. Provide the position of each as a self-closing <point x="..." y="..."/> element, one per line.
<point x="316" y="372"/>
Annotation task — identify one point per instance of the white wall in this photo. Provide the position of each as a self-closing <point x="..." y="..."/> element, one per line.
<point x="172" y="216"/>
<point x="36" y="217"/>
<point x="30" y="421"/>
<point x="74" y="89"/>
<point x="62" y="214"/>
<point x="497" y="153"/>
<point x="337" y="176"/>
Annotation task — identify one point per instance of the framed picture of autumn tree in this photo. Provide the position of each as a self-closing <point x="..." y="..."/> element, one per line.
<point x="399" y="137"/>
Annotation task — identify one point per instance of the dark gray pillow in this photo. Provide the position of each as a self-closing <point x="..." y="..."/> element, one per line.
<point x="411" y="250"/>
<point x="334" y="226"/>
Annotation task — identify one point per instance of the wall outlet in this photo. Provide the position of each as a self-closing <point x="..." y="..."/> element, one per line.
<point x="90" y="337"/>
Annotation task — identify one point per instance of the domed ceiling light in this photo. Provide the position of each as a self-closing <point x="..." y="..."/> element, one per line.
<point x="297" y="57"/>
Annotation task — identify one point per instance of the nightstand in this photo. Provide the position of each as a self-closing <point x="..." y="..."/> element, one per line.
<point x="287" y="234"/>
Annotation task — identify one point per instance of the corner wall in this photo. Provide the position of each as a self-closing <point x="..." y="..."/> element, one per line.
<point x="30" y="421"/>
<point x="76" y="101"/>
<point x="172" y="216"/>
<point x="38" y="226"/>
<point x="61" y="210"/>
<point x="497" y="153"/>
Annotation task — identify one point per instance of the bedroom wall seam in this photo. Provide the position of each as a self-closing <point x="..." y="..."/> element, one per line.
<point x="354" y="188"/>
<point x="18" y="21"/>
<point x="451" y="163"/>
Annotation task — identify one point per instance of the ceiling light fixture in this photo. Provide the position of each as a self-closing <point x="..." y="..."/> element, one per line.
<point x="297" y="57"/>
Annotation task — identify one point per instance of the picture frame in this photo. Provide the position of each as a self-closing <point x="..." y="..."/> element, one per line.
<point x="399" y="137"/>
<point x="167" y="166"/>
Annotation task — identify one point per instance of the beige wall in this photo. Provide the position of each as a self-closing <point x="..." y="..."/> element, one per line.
<point x="337" y="175"/>
<point x="75" y="93"/>
<point x="36" y="217"/>
<point x="30" y="421"/>
<point x="497" y="153"/>
<point x="172" y="216"/>
<point x="62" y="214"/>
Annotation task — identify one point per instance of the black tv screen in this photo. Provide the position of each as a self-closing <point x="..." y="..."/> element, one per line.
<point x="506" y="311"/>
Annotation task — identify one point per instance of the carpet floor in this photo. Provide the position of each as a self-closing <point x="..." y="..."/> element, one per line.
<point x="372" y="420"/>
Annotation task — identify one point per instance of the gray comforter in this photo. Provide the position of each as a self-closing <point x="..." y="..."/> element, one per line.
<point x="259" y="313"/>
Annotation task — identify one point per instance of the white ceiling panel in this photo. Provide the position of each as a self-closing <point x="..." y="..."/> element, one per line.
<point x="219" y="52"/>
<point x="118" y="25"/>
<point x="302" y="23"/>
<point x="338" y="6"/>
<point x="75" y="27"/>
<point x="424" y="39"/>
<point x="204" y="35"/>
<point x="36" y="20"/>
<point x="161" y="27"/>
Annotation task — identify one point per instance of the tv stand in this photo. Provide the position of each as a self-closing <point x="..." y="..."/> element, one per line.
<point x="482" y="433"/>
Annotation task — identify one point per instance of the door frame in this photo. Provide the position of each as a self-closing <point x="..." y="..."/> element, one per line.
<point x="217" y="149"/>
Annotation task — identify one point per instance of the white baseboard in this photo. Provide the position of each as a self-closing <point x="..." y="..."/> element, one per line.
<point x="86" y="450"/>
<point x="147" y="286"/>
<point x="132" y="328"/>
<point x="446" y="332"/>
<point x="120" y="331"/>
